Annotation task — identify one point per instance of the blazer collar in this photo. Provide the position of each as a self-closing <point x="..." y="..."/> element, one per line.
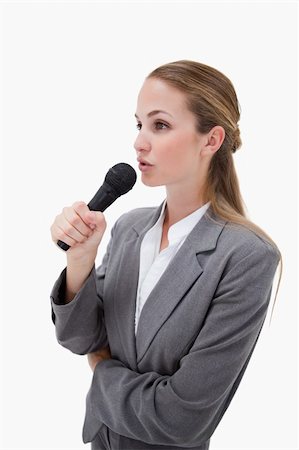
<point x="209" y="227"/>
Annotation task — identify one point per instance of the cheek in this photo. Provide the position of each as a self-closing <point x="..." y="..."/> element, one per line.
<point x="179" y="151"/>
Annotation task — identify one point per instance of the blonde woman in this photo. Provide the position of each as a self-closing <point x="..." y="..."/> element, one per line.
<point x="171" y="317"/>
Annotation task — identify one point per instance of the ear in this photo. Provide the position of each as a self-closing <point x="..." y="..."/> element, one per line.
<point x="213" y="141"/>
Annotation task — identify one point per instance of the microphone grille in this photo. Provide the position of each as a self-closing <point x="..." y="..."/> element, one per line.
<point x="121" y="178"/>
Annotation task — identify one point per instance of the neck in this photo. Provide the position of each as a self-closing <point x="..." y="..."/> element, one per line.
<point x="180" y="205"/>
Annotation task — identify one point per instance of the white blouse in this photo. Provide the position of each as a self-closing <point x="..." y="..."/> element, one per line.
<point x="153" y="263"/>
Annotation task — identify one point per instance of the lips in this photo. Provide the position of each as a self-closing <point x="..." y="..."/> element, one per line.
<point x="143" y="162"/>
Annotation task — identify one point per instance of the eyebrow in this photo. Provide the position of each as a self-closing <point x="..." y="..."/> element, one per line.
<point x="156" y="111"/>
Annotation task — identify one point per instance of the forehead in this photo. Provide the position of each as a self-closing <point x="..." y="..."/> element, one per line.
<point x="157" y="94"/>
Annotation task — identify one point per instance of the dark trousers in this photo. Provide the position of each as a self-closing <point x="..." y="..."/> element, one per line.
<point x="99" y="444"/>
<point x="104" y="441"/>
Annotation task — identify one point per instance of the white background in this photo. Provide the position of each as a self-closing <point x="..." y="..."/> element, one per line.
<point x="71" y="75"/>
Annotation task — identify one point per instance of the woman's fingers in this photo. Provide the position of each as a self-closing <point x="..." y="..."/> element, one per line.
<point x="59" y="234"/>
<point x="75" y="221"/>
<point x="76" y="224"/>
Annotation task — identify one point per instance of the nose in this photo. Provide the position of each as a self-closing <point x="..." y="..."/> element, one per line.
<point x="142" y="143"/>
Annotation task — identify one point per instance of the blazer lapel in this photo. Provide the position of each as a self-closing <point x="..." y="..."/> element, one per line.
<point x="181" y="273"/>
<point x="125" y="288"/>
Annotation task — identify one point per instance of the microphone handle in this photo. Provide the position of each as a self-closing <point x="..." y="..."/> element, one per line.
<point x="103" y="198"/>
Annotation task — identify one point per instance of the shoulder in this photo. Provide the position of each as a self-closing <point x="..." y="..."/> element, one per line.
<point x="241" y="242"/>
<point x="136" y="214"/>
<point x="236" y="241"/>
<point x="130" y="218"/>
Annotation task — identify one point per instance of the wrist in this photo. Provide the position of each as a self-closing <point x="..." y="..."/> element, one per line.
<point x="81" y="262"/>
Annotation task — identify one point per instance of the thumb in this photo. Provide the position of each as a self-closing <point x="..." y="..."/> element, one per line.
<point x="96" y="220"/>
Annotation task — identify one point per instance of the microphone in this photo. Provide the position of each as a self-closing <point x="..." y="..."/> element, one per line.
<point x="118" y="181"/>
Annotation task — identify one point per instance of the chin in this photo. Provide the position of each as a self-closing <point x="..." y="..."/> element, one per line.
<point x="152" y="183"/>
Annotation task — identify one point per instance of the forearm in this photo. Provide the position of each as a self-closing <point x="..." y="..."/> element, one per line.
<point x="79" y="323"/>
<point x="146" y="407"/>
<point x="77" y="304"/>
<point x="76" y="275"/>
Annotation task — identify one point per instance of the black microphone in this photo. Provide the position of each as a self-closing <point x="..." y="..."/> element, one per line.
<point x="118" y="181"/>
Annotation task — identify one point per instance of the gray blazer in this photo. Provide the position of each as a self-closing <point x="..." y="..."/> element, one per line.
<point x="169" y="387"/>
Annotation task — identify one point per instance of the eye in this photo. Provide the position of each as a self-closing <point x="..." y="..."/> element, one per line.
<point x="161" y="125"/>
<point x="138" y="126"/>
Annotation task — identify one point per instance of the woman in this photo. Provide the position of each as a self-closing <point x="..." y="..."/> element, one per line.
<point x="171" y="317"/>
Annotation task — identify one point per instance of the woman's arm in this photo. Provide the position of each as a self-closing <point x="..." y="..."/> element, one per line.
<point x="76" y="275"/>
<point x="185" y="408"/>
<point x="79" y="323"/>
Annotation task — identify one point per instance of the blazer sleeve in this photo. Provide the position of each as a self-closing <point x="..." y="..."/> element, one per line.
<point x="79" y="324"/>
<point x="186" y="407"/>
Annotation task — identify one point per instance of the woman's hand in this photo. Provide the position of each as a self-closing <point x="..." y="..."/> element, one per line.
<point x="80" y="228"/>
<point x="99" y="355"/>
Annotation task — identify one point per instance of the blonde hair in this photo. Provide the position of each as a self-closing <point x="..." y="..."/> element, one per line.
<point x="211" y="97"/>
